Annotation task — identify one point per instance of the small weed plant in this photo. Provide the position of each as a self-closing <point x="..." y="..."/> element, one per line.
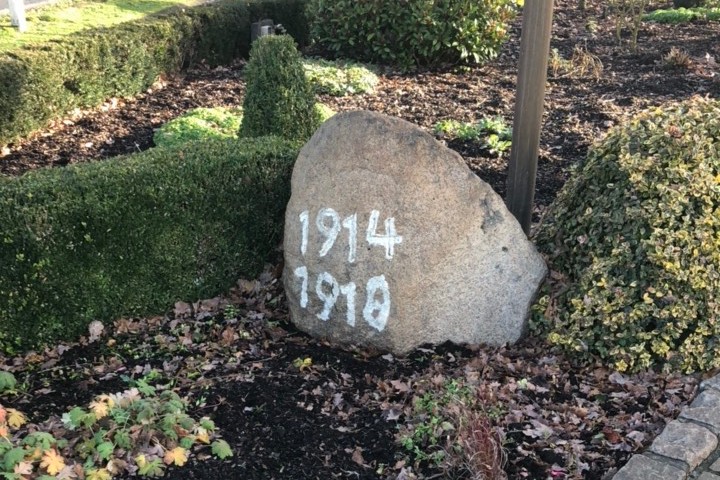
<point x="451" y="428"/>
<point x="339" y="78"/>
<point x="581" y="64"/>
<point x="494" y="133"/>
<point x="677" y="58"/>
<point x="140" y="432"/>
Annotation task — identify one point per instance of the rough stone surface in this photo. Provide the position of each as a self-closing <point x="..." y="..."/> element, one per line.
<point x="705" y="409"/>
<point x="715" y="467"/>
<point x="433" y="247"/>
<point x="641" y="467"/>
<point x="708" y="476"/>
<point x="687" y="442"/>
<point x="713" y="383"/>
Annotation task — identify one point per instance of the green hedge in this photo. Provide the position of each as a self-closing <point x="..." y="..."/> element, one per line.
<point x="133" y="235"/>
<point x="42" y="82"/>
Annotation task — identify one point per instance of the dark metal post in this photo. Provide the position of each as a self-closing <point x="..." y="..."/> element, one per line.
<point x="532" y="74"/>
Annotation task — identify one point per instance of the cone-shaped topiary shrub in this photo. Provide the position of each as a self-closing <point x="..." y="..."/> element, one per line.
<point x="633" y="242"/>
<point x="278" y="99"/>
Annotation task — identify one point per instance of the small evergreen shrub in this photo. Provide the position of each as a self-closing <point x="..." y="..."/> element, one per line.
<point x="131" y="236"/>
<point x="634" y="245"/>
<point x="200" y="124"/>
<point x="411" y="32"/>
<point x="339" y="78"/>
<point x="278" y="97"/>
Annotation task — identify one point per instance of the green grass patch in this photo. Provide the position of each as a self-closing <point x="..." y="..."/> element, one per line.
<point x="683" y="15"/>
<point x="69" y="17"/>
<point x="340" y="78"/>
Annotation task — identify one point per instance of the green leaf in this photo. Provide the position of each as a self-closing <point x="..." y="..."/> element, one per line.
<point x="221" y="449"/>
<point x="7" y="381"/>
<point x="105" y="450"/>
<point x="13" y="457"/>
<point x="42" y="440"/>
<point x="73" y="419"/>
<point x="152" y="469"/>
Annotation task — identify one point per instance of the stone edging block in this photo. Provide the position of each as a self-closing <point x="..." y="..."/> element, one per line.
<point x="690" y="440"/>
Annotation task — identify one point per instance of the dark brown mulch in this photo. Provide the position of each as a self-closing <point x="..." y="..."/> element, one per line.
<point x="561" y="420"/>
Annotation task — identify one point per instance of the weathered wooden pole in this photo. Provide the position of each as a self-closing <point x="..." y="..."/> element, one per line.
<point x="17" y="14"/>
<point x="532" y="74"/>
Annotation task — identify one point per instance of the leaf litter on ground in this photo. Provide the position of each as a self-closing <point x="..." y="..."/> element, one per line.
<point x="237" y="360"/>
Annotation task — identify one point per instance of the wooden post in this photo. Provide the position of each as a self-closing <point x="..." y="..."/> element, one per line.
<point x="532" y="74"/>
<point x="17" y="14"/>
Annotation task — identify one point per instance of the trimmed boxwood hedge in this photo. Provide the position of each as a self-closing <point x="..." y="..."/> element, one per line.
<point x="133" y="235"/>
<point x="42" y="82"/>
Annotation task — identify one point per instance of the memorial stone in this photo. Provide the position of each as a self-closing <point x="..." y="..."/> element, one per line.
<point x="391" y="241"/>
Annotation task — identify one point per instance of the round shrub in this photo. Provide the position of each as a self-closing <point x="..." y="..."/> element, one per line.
<point x="634" y="245"/>
<point x="411" y="32"/>
<point x="199" y="124"/>
<point x="278" y="99"/>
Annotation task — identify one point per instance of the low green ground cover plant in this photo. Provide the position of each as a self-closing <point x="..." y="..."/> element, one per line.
<point x="339" y="78"/>
<point x="138" y="430"/>
<point x="450" y="426"/>
<point x="494" y="133"/>
<point x="200" y="124"/>
<point x="683" y="15"/>
<point x="99" y="241"/>
<point x="43" y="81"/>
<point x="413" y="32"/>
<point x="633" y="244"/>
<point x="279" y="99"/>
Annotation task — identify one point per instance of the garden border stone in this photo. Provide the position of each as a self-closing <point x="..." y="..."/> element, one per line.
<point x="690" y="442"/>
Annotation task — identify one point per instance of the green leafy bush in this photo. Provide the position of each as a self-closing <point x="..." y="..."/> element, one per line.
<point x="199" y="124"/>
<point x="634" y="245"/>
<point x="682" y="15"/>
<point x="411" y="32"/>
<point x="98" y="241"/>
<point x="339" y="78"/>
<point x="42" y="82"/>
<point x="278" y="98"/>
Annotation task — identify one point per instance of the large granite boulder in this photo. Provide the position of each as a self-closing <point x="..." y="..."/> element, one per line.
<point x="391" y="241"/>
